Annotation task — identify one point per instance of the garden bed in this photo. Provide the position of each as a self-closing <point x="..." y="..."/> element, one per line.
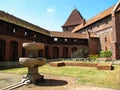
<point x="100" y="66"/>
<point x="58" y="64"/>
<point x="104" y="66"/>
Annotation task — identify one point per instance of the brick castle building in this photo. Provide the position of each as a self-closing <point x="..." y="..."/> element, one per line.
<point x="101" y="32"/>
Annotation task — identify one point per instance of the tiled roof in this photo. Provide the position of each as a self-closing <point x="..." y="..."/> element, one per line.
<point x="75" y="18"/>
<point x="94" y="19"/>
<point x="14" y="20"/>
<point x="68" y="35"/>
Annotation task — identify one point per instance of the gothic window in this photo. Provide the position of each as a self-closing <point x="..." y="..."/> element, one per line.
<point x="105" y="39"/>
<point x="98" y="25"/>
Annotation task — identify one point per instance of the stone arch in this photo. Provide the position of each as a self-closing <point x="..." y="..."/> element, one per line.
<point x="13" y="50"/>
<point x="55" y="52"/>
<point x="2" y="50"/>
<point x="65" y="52"/>
<point x="46" y="51"/>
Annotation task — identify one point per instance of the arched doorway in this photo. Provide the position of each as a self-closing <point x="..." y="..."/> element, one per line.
<point x="14" y="50"/>
<point x="55" y="52"/>
<point x="65" y="52"/>
<point x="2" y="50"/>
<point x="47" y="52"/>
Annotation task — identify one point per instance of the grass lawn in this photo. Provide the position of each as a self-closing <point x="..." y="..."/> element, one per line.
<point x="85" y="75"/>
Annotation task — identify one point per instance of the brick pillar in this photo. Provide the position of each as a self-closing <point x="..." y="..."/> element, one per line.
<point x="44" y="52"/>
<point x="50" y="51"/>
<point x="69" y="52"/>
<point x="7" y="51"/>
<point x="19" y="49"/>
<point x="60" y="52"/>
<point x="114" y="36"/>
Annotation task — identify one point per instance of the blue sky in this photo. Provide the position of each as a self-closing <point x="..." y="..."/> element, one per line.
<point x="52" y="14"/>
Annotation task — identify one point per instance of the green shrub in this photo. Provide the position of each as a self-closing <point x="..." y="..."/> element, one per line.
<point x="93" y="57"/>
<point x="105" y="53"/>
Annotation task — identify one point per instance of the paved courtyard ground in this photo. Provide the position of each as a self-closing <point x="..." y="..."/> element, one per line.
<point x="52" y="82"/>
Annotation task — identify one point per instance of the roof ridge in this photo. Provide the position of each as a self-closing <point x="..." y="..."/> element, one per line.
<point x="97" y="17"/>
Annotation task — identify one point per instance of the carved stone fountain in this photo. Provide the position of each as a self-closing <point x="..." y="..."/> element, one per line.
<point x="32" y="62"/>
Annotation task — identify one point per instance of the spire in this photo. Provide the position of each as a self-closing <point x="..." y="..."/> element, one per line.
<point x="75" y="18"/>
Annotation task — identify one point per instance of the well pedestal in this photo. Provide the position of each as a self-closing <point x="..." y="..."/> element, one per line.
<point x="33" y="62"/>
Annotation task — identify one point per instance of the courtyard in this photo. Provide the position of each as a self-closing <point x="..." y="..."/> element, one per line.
<point x="65" y="78"/>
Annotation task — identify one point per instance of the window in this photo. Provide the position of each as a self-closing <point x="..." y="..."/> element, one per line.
<point x="106" y="22"/>
<point x="25" y="33"/>
<point x="66" y="28"/>
<point x="75" y="40"/>
<point x="55" y="39"/>
<point x="35" y="36"/>
<point x="65" y="39"/>
<point x="14" y="30"/>
<point x="106" y="48"/>
<point x="105" y="39"/>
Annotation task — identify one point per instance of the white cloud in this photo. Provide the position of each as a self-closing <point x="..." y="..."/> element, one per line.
<point x="50" y="10"/>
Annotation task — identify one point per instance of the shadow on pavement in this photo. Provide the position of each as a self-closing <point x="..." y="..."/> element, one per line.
<point x="52" y="82"/>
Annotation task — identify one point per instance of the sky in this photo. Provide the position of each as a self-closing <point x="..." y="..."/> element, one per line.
<point x="52" y="14"/>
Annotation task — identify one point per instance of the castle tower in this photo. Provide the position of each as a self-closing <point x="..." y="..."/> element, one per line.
<point x="73" y="20"/>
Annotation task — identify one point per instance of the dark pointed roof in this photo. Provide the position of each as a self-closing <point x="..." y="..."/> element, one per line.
<point x="75" y="18"/>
